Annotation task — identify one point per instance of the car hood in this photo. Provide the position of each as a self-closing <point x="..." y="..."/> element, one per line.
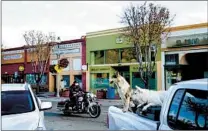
<point x="24" y="121"/>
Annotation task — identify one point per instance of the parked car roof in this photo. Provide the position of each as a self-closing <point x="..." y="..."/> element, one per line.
<point x="201" y="84"/>
<point x="11" y="87"/>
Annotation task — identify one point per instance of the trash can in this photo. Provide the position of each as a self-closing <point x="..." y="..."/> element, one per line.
<point x="111" y="93"/>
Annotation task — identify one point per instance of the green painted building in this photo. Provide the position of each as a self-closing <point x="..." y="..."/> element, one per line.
<point x="106" y="52"/>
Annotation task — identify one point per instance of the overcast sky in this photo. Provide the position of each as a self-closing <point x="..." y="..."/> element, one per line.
<point x="71" y="20"/>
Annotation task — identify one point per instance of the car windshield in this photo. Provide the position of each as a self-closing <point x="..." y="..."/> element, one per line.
<point x="15" y="102"/>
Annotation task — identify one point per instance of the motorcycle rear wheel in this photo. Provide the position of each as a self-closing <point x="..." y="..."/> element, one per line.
<point x="95" y="112"/>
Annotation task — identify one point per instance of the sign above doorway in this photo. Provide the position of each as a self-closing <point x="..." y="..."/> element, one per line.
<point x="189" y="40"/>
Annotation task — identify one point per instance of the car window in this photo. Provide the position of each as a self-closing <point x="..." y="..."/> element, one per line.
<point x="193" y="111"/>
<point x="15" y="102"/>
<point x="174" y="106"/>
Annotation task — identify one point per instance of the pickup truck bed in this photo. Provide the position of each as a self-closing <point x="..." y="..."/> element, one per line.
<point x="124" y="119"/>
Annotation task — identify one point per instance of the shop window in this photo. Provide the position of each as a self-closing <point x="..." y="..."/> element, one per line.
<point x="127" y="55"/>
<point x="99" y="57"/>
<point x="171" y="77"/>
<point x="31" y="79"/>
<point x="65" y="81"/>
<point x="171" y="59"/>
<point x="43" y="80"/>
<point x="99" y="80"/>
<point x="137" y="81"/>
<point x="144" y="50"/>
<point x="112" y="56"/>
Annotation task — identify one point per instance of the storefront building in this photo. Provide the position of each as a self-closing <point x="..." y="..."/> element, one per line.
<point x="184" y="54"/>
<point x="16" y="67"/>
<point x="75" y="52"/>
<point x="107" y="53"/>
<point x="12" y="61"/>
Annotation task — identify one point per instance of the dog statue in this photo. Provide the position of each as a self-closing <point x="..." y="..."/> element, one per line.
<point x="140" y="97"/>
<point x="124" y="89"/>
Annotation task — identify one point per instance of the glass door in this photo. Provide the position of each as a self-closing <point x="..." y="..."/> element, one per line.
<point x="172" y="77"/>
<point x="126" y="75"/>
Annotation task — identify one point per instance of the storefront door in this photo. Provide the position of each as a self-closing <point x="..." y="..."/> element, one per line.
<point x="126" y="75"/>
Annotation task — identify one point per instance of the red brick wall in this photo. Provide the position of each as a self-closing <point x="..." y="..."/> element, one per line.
<point x="84" y="63"/>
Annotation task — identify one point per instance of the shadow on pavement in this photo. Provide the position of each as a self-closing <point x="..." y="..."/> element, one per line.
<point x="51" y="114"/>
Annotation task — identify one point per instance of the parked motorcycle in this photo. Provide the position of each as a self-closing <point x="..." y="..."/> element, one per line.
<point x="87" y="103"/>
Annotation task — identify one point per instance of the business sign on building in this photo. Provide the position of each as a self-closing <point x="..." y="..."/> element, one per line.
<point x="66" y="51"/>
<point x="67" y="48"/>
<point x="9" y="57"/>
<point x="188" y="40"/>
<point x="12" y="52"/>
<point x="100" y="69"/>
<point x="12" y="57"/>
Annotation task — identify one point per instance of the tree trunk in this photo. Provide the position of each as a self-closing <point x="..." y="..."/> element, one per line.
<point x="196" y="119"/>
<point x="147" y="83"/>
<point x="38" y="84"/>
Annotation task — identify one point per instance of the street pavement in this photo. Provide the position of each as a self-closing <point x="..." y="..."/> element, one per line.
<point x="55" y="120"/>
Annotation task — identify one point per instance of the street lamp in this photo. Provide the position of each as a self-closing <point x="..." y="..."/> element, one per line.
<point x="57" y="74"/>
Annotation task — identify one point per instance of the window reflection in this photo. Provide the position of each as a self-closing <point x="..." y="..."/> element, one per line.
<point x="112" y="56"/>
<point x="127" y="55"/>
<point x="99" y="80"/>
<point x="192" y="113"/>
<point x="31" y="79"/>
<point x="99" y="57"/>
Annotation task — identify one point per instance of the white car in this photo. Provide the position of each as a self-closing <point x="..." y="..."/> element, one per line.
<point x="21" y="109"/>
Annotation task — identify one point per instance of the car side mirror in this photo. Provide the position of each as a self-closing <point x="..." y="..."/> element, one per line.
<point x="45" y="106"/>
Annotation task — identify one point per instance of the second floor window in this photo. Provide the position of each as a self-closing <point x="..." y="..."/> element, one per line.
<point x="112" y="56"/>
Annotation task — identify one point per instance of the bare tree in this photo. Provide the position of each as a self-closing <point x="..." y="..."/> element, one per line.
<point x="39" y="49"/>
<point x="146" y="26"/>
<point x="198" y="109"/>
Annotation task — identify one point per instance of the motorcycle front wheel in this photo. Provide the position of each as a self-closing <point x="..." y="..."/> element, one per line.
<point x="94" y="111"/>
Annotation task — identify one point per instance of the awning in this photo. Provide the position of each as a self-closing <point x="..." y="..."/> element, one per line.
<point x="121" y="68"/>
<point x="10" y="68"/>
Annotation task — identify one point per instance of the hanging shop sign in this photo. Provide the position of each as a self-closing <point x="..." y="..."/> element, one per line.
<point x="21" y="68"/>
<point x="190" y="40"/>
<point x="84" y="67"/>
